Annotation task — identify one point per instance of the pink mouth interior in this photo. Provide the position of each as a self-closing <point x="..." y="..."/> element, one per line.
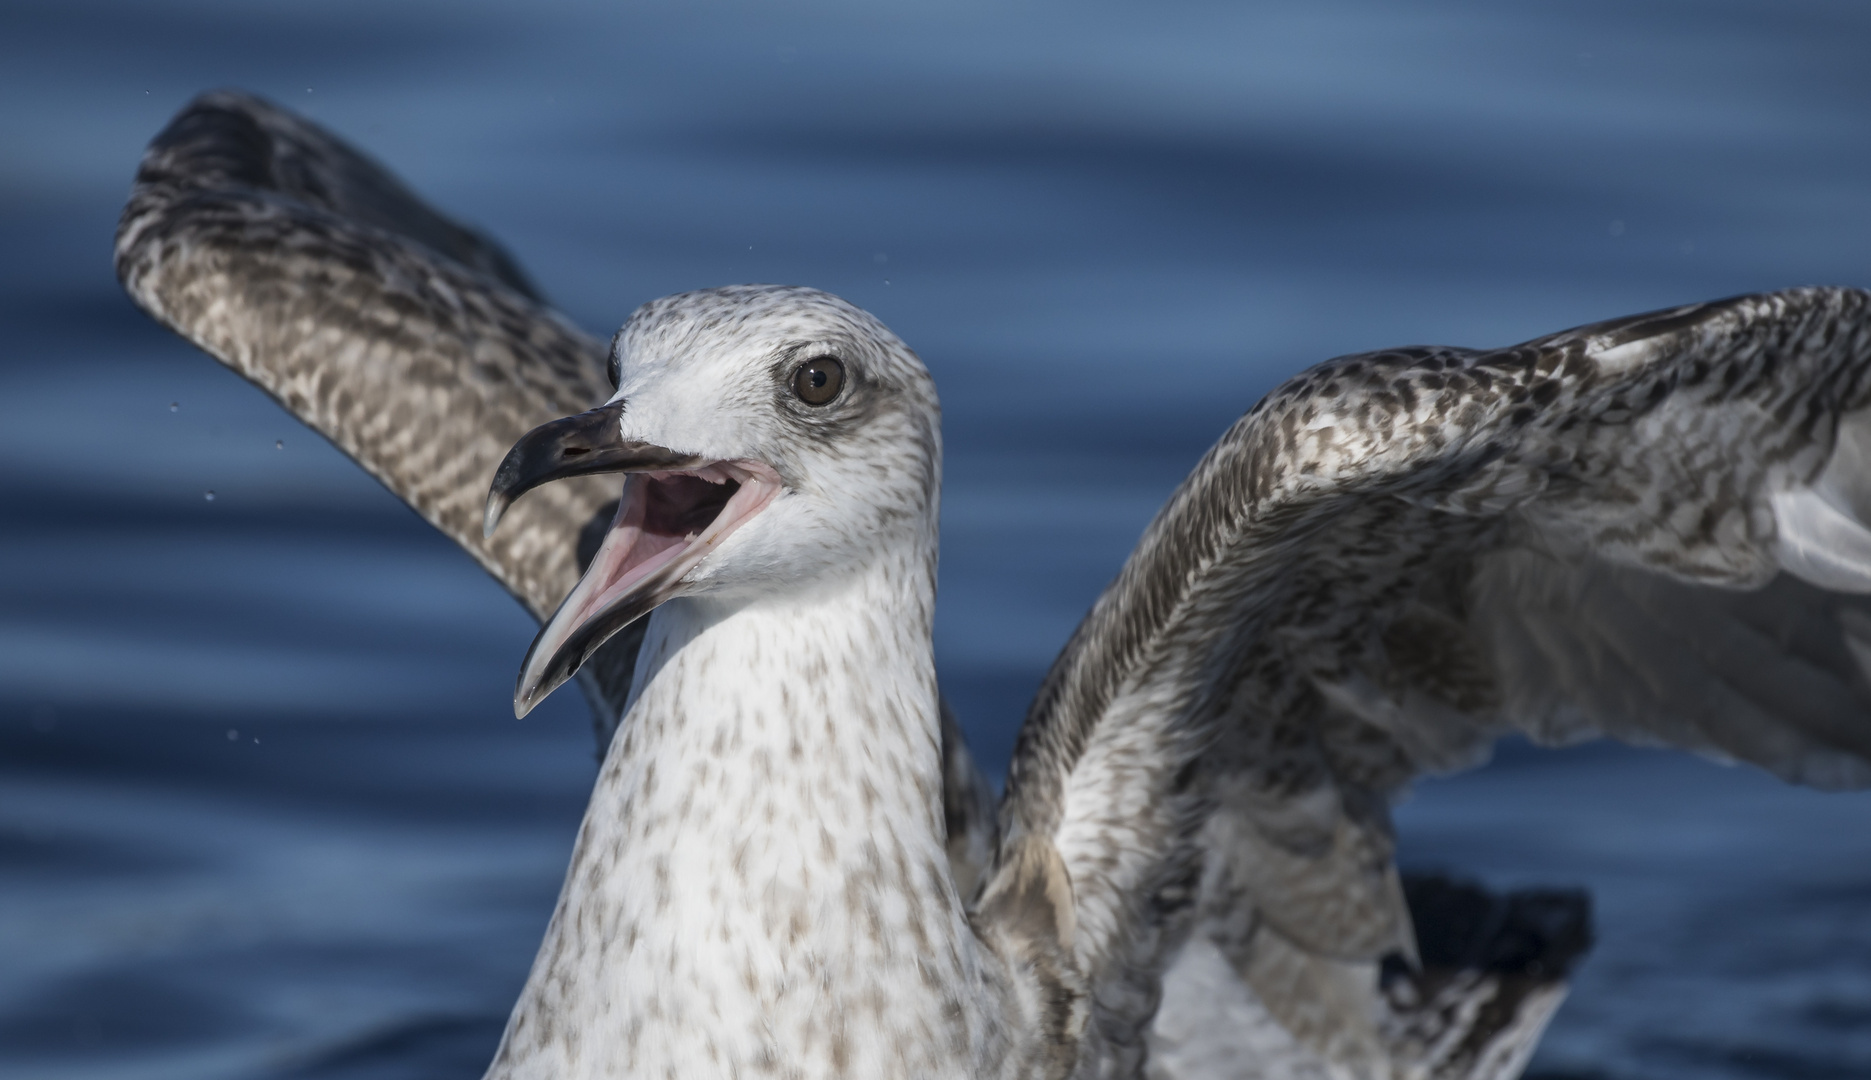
<point x="665" y="518"/>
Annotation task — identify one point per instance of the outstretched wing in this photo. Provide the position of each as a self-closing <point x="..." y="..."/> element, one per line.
<point x="412" y="343"/>
<point x="1652" y="528"/>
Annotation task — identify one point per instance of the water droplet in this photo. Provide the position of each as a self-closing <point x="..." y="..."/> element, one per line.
<point x="174" y="405"/>
<point x="279" y="444"/>
<point x="256" y="740"/>
<point x="886" y="281"/>
<point x="233" y="734"/>
<point x="209" y="496"/>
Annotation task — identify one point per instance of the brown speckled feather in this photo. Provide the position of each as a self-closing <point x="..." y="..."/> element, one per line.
<point x="413" y="344"/>
<point x="1397" y="557"/>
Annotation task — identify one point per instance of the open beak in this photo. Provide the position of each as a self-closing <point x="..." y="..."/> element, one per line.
<point x="675" y="510"/>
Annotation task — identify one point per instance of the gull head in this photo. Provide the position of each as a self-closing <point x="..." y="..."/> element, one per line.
<point x="771" y="439"/>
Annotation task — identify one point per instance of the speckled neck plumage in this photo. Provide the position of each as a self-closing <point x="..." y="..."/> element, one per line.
<point x="761" y="882"/>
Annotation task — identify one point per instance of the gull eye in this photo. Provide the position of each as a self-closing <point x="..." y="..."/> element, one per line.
<point x="610" y="368"/>
<point x="819" y="379"/>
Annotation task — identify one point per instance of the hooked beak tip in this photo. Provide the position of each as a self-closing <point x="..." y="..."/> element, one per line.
<point x="490" y="518"/>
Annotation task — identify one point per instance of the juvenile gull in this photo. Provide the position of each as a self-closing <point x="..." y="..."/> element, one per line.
<point x="1651" y="528"/>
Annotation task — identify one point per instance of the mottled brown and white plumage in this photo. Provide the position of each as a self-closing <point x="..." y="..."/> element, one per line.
<point x="1651" y="528"/>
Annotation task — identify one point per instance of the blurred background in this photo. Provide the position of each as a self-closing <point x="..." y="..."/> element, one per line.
<point x="264" y="811"/>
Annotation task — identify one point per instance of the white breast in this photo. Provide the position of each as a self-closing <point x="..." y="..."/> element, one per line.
<point x="760" y="881"/>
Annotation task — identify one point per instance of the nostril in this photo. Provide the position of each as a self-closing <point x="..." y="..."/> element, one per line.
<point x="574" y="451"/>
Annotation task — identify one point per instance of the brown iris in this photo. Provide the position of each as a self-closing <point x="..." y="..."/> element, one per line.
<point x="819" y="379"/>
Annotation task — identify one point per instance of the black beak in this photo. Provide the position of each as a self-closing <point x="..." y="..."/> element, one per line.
<point x="591" y="442"/>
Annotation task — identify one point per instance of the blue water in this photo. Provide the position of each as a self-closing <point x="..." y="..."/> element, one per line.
<point x="263" y="809"/>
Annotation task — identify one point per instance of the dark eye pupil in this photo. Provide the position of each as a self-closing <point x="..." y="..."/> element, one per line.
<point x="818" y="380"/>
